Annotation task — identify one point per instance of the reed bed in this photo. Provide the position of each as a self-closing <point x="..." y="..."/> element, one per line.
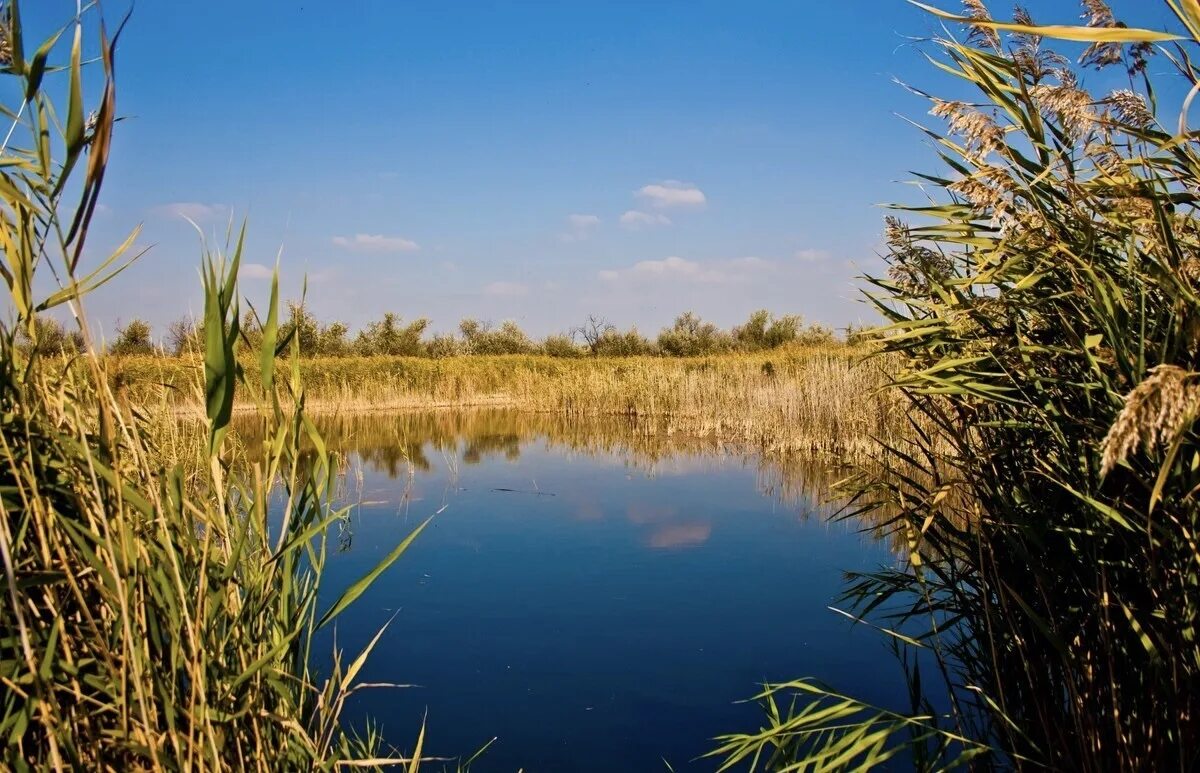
<point x="823" y="399"/>
<point x="160" y="583"/>
<point x="1044" y="310"/>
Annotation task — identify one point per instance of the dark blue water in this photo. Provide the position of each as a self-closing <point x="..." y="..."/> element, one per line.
<point x="593" y="606"/>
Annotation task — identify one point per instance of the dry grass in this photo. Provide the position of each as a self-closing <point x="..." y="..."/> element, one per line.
<point x="822" y="399"/>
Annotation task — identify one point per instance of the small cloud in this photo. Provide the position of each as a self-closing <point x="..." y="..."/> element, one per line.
<point x="682" y="269"/>
<point x="583" y="222"/>
<point x="674" y="267"/>
<point x="192" y="210"/>
<point x="388" y="175"/>
<point x="635" y="219"/>
<point x="809" y="256"/>
<point x="581" y="227"/>
<point x="376" y="243"/>
<point x="505" y="289"/>
<point x="672" y="193"/>
<point x="751" y="263"/>
<point x="256" y="271"/>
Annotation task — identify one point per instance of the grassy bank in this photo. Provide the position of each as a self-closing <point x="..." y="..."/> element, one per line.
<point x="796" y="399"/>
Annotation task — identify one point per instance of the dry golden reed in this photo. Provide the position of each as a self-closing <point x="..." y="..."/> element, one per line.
<point x="825" y="399"/>
<point x="1154" y="415"/>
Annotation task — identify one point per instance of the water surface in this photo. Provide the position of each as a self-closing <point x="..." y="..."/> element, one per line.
<point x="596" y="596"/>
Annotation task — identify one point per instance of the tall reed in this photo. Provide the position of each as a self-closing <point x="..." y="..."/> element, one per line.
<point x="1045" y="307"/>
<point x="157" y="614"/>
<point x="794" y="399"/>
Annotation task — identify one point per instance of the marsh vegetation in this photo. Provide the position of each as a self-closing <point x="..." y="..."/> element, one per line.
<point x="1043" y="306"/>
<point x="1022" y="428"/>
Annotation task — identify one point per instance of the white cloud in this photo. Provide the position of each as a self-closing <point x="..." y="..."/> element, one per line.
<point x="376" y="243"/>
<point x="672" y="193"/>
<point x="750" y="263"/>
<point x="583" y="222"/>
<point x="810" y="255"/>
<point x="682" y="269"/>
<point x="255" y="271"/>
<point x="192" y="210"/>
<point x="674" y="266"/>
<point x="506" y="289"/>
<point x="581" y="227"/>
<point x="635" y="220"/>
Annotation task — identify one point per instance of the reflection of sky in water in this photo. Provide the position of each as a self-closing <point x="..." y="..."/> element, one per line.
<point x="597" y="601"/>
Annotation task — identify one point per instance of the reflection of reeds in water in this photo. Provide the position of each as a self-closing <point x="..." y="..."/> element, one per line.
<point x="805" y="399"/>
<point x="399" y="444"/>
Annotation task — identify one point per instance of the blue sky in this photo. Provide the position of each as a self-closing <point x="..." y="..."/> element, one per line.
<point x="538" y="161"/>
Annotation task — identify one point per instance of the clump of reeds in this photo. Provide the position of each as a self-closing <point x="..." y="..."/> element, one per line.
<point x="159" y="594"/>
<point x="1045" y="313"/>
<point x="797" y="399"/>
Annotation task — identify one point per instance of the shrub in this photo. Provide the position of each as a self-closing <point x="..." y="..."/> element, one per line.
<point x="631" y="343"/>
<point x="49" y="337"/>
<point x="133" y="339"/>
<point x="390" y="337"/>
<point x="481" y="338"/>
<point x="561" y="346"/>
<point x="184" y="337"/>
<point x="692" y="337"/>
<point x="332" y="342"/>
<point x="592" y="331"/>
<point x="444" y="345"/>
<point x="762" y="331"/>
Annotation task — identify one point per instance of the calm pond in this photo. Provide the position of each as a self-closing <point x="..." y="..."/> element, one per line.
<point x="596" y="597"/>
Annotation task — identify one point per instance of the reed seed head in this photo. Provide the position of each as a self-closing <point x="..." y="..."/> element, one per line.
<point x="975" y="9"/>
<point x="1096" y="13"/>
<point x="1130" y="108"/>
<point x="1066" y="102"/>
<point x="5" y="38"/>
<point x="1154" y="414"/>
<point x="980" y="133"/>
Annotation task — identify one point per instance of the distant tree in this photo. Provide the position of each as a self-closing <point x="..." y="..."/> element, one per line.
<point x="302" y="326"/>
<point x="133" y="339"/>
<point x="509" y="338"/>
<point x="332" y="340"/>
<point x="444" y="345"/>
<point x="314" y="338"/>
<point x="481" y="338"/>
<point x="631" y="343"/>
<point x="816" y="335"/>
<point x="561" y="346"/>
<point x="593" y="329"/>
<point x="184" y="337"/>
<point x="390" y="337"/>
<point x="857" y="334"/>
<point x="250" y="333"/>
<point x="50" y="338"/>
<point x="762" y="331"/>
<point x="690" y="336"/>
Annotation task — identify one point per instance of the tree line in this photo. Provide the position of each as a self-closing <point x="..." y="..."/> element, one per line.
<point x="391" y="336"/>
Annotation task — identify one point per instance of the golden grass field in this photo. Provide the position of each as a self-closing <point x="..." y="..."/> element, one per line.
<point x="824" y="399"/>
